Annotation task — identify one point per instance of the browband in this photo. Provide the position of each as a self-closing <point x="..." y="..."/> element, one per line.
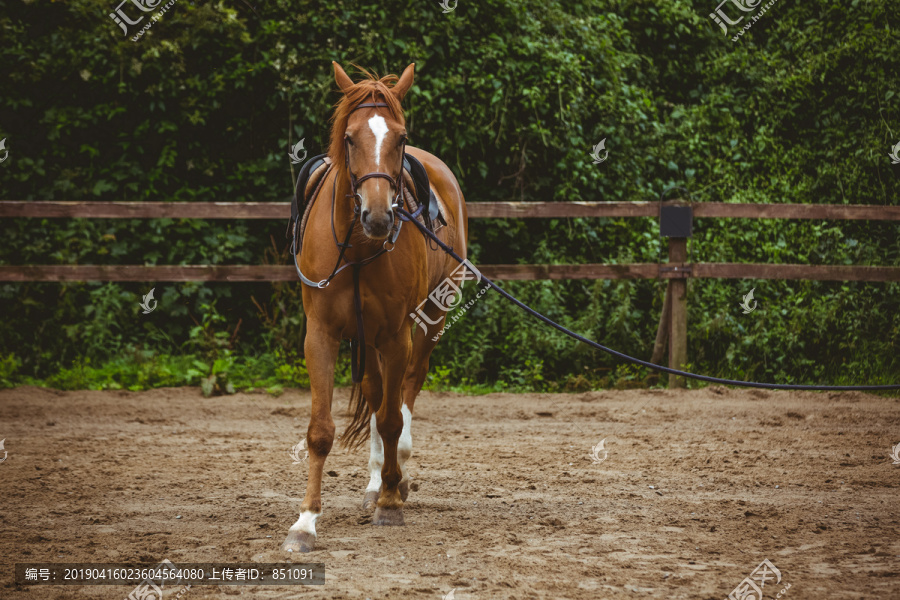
<point x="371" y="105"/>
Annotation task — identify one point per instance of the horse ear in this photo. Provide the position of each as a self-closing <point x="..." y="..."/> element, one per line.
<point x="405" y="82"/>
<point x="344" y="82"/>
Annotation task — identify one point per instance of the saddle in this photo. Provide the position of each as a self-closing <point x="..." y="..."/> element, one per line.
<point x="312" y="174"/>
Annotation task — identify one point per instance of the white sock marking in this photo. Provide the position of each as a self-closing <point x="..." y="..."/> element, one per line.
<point x="379" y="128"/>
<point x="376" y="458"/>
<point x="306" y="522"/>
<point x="404" y="445"/>
<point x="376" y="450"/>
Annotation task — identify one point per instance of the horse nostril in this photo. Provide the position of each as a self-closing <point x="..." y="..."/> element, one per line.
<point x="365" y="215"/>
<point x="390" y="215"/>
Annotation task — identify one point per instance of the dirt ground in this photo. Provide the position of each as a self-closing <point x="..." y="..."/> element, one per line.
<point x="698" y="488"/>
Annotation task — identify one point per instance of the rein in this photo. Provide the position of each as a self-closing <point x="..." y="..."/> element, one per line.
<point x="358" y="345"/>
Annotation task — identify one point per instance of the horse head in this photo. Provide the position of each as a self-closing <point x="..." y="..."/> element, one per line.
<point x="369" y="139"/>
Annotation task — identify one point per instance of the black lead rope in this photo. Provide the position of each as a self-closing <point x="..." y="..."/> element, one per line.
<point x="753" y="384"/>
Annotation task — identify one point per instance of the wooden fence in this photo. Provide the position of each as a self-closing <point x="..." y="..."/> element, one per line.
<point x="673" y="321"/>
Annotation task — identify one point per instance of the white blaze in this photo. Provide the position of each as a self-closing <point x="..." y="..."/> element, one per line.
<point x="379" y="128"/>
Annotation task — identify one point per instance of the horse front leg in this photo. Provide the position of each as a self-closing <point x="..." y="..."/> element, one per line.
<point x="389" y="422"/>
<point x="321" y="355"/>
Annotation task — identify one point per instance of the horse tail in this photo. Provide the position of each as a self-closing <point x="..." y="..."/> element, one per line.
<point x="357" y="432"/>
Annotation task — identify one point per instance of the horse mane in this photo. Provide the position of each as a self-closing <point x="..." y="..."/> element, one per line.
<point x="370" y="89"/>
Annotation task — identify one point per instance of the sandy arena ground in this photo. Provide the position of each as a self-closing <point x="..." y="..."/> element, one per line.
<point x="698" y="488"/>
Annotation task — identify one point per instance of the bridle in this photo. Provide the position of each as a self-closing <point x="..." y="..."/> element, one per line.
<point x="398" y="202"/>
<point x="397" y="183"/>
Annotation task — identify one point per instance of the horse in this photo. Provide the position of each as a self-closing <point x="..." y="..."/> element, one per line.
<point x="372" y="303"/>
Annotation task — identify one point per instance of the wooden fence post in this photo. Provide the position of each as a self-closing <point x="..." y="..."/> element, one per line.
<point x="678" y="313"/>
<point x="662" y="332"/>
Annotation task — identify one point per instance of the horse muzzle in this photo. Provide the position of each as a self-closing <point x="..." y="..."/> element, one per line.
<point x="377" y="225"/>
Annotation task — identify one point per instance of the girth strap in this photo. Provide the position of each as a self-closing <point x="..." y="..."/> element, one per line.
<point x="358" y="345"/>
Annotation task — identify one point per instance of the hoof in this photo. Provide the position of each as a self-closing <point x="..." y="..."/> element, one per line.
<point x="299" y="541"/>
<point x="388" y="516"/>
<point x="404" y="490"/>
<point x="369" y="500"/>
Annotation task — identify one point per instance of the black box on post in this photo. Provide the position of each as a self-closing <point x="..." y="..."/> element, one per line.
<point x="676" y="221"/>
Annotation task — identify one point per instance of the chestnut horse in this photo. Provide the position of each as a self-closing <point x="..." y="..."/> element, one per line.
<point x="358" y="195"/>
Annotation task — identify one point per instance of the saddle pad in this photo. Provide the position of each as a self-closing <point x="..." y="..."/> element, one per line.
<point x="433" y="206"/>
<point x="296" y="202"/>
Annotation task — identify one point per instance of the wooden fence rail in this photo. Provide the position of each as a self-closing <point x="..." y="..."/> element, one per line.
<point x="673" y="321"/>
<point x="477" y="210"/>
<point x="501" y="272"/>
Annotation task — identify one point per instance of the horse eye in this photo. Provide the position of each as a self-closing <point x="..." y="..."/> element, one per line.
<point x="349" y="140"/>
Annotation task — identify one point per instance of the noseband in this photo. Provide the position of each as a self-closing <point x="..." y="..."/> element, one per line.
<point x="397" y="183"/>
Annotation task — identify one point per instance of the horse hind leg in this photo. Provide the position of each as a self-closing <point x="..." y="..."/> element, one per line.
<point x="372" y="392"/>
<point x="376" y="462"/>
<point x="423" y="346"/>
<point x="404" y="451"/>
<point x="389" y="422"/>
<point x="376" y="458"/>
